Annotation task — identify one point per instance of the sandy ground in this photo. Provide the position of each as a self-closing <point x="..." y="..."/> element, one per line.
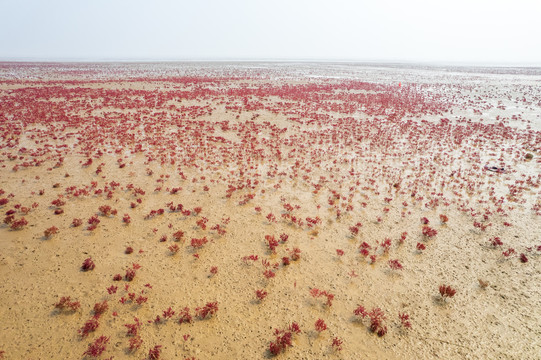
<point x="340" y="155"/>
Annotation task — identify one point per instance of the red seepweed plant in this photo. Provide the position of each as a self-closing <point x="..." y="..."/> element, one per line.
<point x="155" y="352"/>
<point x="429" y="232"/>
<point x="65" y="303"/>
<point x="100" y="308"/>
<point x="90" y="326"/>
<point x="404" y="320"/>
<point x="88" y="264"/>
<point x="261" y="294"/>
<point x="283" y="339"/>
<point x="316" y="293"/>
<point x="97" y="347"/>
<point x="185" y="316"/>
<point x="18" y="224"/>
<point x="174" y="248"/>
<point x="133" y="329"/>
<point x="208" y="310"/>
<point x="135" y="343"/>
<point x="395" y="265"/>
<point x="377" y="317"/>
<point x="247" y="258"/>
<point x="337" y="343"/>
<point x="198" y="243"/>
<point x="446" y="291"/>
<point x="50" y="231"/>
<point x="320" y="325"/>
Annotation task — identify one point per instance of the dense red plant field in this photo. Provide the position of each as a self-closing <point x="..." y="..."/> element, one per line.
<point x="142" y="202"/>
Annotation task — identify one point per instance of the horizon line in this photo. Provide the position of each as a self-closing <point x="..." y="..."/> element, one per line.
<point x="272" y="60"/>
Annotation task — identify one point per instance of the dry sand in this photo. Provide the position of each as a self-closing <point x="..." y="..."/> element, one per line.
<point x="320" y="138"/>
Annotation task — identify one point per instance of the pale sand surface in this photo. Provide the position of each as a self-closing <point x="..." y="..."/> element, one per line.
<point x="322" y="138"/>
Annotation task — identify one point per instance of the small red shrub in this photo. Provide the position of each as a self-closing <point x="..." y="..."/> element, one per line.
<point x="50" y="231"/>
<point x="320" y="325"/>
<point x="88" y="264"/>
<point x="65" y="303"/>
<point x="446" y="291"/>
<point x="98" y="347"/>
<point x="208" y="310"/>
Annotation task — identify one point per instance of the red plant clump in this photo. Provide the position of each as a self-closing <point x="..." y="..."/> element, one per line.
<point x="295" y="254"/>
<point x="523" y="258"/>
<point x="247" y="258"/>
<point x="106" y="210"/>
<point x="271" y="218"/>
<point x="446" y="291"/>
<point x="495" y="242"/>
<point x="50" y="231"/>
<point x="364" y="249"/>
<point x="444" y="219"/>
<point x="214" y="270"/>
<point x="198" y="243"/>
<point x="76" y="222"/>
<point x="177" y="236"/>
<point x="283" y="339"/>
<point x="202" y="223"/>
<point x="18" y="224"/>
<point x="337" y="344"/>
<point x="185" y="316"/>
<point x="339" y="252"/>
<point x="261" y="294"/>
<point x="174" y="248"/>
<point x="167" y="314"/>
<point x="420" y="246"/>
<point x="135" y="343"/>
<point x="320" y="325"/>
<point x="100" y="308"/>
<point x="65" y="303"/>
<point x="429" y="232"/>
<point x="402" y="237"/>
<point x="90" y="326"/>
<point x="208" y="310"/>
<point x="155" y="352"/>
<point x="508" y="252"/>
<point x="360" y="311"/>
<point x="269" y="274"/>
<point x="88" y="264"/>
<point x="316" y="293"/>
<point x="97" y="347"/>
<point x="376" y="319"/>
<point x="128" y="250"/>
<point x="272" y="243"/>
<point x="404" y="320"/>
<point x="130" y="274"/>
<point x="126" y="219"/>
<point x="395" y="265"/>
<point x="133" y="329"/>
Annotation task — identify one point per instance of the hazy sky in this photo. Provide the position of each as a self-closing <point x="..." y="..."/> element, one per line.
<point x="483" y="31"/>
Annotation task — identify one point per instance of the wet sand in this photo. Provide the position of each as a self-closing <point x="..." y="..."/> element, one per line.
<point x="327" y="165"/>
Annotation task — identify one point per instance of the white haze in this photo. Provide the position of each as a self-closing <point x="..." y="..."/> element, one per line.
<point x="461" y="31"/>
